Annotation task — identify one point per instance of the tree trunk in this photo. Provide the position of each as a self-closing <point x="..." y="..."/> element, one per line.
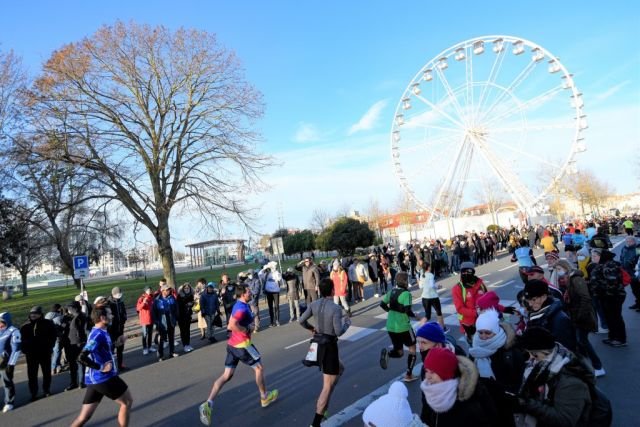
<point x="163" y="238"/>
<point x="23" y="276"/>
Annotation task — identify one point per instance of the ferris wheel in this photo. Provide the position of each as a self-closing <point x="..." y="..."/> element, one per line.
<point x="493" y="118"/>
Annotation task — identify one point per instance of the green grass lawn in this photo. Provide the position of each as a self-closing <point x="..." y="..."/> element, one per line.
<point x="19" y="306"/>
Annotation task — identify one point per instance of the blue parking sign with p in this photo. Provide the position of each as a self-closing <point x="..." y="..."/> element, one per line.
<point x="80" y="262"/>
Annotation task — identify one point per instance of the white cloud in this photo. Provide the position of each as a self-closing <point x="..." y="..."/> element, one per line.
<point x="370" y="118"/>
<point x="609" y="92"/>
<point x="306" y="132"/>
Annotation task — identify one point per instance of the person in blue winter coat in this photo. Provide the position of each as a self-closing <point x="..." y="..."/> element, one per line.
<point x="209" y="307"/>
<point x="10" y="347"/>
<point x="524" y="256"/>
<point x="165" y="316"/>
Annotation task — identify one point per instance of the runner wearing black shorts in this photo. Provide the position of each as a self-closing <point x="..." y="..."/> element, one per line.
<point x="101" y="376"/>
<point x="239" y="349"/>
<point x="331" y="322"/>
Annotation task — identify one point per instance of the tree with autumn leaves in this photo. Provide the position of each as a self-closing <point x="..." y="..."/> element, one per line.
<point x="163" y="119"/>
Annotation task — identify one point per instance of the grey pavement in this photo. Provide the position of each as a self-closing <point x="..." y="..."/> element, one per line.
<point x="169" y="392"/>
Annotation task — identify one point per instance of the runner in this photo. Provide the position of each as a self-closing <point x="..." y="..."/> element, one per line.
<point x="239" y="349"/>
<point x="10" y="341"/>
<point x="102" y="377"/>
<point x="398" y="304"/>
<point x="331" y="322"/>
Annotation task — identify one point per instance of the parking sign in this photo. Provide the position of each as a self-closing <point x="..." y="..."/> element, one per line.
<point x="80" y="266"/>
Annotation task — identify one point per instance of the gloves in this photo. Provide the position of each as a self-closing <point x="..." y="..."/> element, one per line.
<point x="509" y="310"/>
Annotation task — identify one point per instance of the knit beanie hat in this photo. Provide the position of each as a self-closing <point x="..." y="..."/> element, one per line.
<point x="443" y="362"/>
<point x="391" y="409"/>
<point x="536" y="338"/>
<point x="432" y="331"/>
<point x="467" y="265"/>
<point x="488" y="300"/>
<point x="488" y="321"/>
<point x="535" y="288"/>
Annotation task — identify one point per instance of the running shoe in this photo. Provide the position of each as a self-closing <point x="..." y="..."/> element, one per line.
<point x="205" y="413"/>
<point x="271" y="397"/>
<point x="616" y="343"/>
<point x="384" y="358"/>
<point x="599" y="372"/>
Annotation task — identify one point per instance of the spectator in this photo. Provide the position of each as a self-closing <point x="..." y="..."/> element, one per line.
<point x="228" y="295"/>
<point x="144" y="307"/>
<point x="165" y="315"/>
<point x="453" y="394"/>
<point x="607" y="279"/>
<point x="185" y="312"/>
<point x="254" y="285"/>
<point x="201" y="285"/>
<point x="38" y="338"/>
<point x="310" y="278"/>
<point x="554" y="391"/>
<point x="391" y="409"/>
<point x="271" y="278"/>
<point x="10" y="349"/>
<point x="339" y="278"/>
<point x="56" y="316"/>
<point x="546" y="312"/>
<point x="209" y="308"/>
<point x="116" y="328"/>
<point x="294" y="291"/>
<point x="76" y="340"/>
<point x="500" y="364"/>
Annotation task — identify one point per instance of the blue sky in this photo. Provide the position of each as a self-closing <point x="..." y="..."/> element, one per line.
<point x="332" y="73"/>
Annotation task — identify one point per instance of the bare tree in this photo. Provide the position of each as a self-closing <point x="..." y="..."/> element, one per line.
<point x="589" y="190"/>
<point x="22" y="245"/>
<point x="491" y="192"/>
<point x="12" y="82"/>
<point x="163" y="119"/>
<point x="320" y="219"/>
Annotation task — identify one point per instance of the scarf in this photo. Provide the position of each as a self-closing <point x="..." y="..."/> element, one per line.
<point x="538" y="374"/>
<point x="441" y="396"/>
<point x="482" y="350"/>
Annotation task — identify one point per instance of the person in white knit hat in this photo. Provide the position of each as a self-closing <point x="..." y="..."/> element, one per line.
<point x="391" y="410"/>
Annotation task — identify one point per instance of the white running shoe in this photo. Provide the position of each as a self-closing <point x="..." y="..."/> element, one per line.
<point x="188" y="348"/>
<point x="145" y="351"/>
<point x="599" y="372"/>
<point x="8" y="407"/>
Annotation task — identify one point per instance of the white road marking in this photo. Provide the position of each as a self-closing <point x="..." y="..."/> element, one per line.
<point x="484" y="275"/>
<point x="495" y="285"/>
<point x="508" y="267"/>
<point x="298" y="343"/>
<point x="354" y="333"/>
<point x="358" y="407"/>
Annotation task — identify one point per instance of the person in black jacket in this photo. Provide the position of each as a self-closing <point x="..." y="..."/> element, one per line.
<point x="116" y="328"/>
<point x="453" y="394"/>
<point x="500" y="363"/>
<point x="76" y="338"/>
<point x="38" y="339"/>
<point x="185" y="312"/>
<point x="546" y="312"/>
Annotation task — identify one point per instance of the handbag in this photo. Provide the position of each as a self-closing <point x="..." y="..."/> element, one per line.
<point x="217" y="320"/>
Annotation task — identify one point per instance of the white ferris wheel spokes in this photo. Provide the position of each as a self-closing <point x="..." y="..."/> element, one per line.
<point x="494" y="113"/>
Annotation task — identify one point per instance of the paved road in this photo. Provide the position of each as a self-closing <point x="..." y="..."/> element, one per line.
<point x="167" y="393"/>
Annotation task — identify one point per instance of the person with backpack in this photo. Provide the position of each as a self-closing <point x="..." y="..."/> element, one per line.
<point x="558" y="388"/>
<point x="608" y="280"/>
<point x="464" y="295"/>
<point x="398" y="304"/>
